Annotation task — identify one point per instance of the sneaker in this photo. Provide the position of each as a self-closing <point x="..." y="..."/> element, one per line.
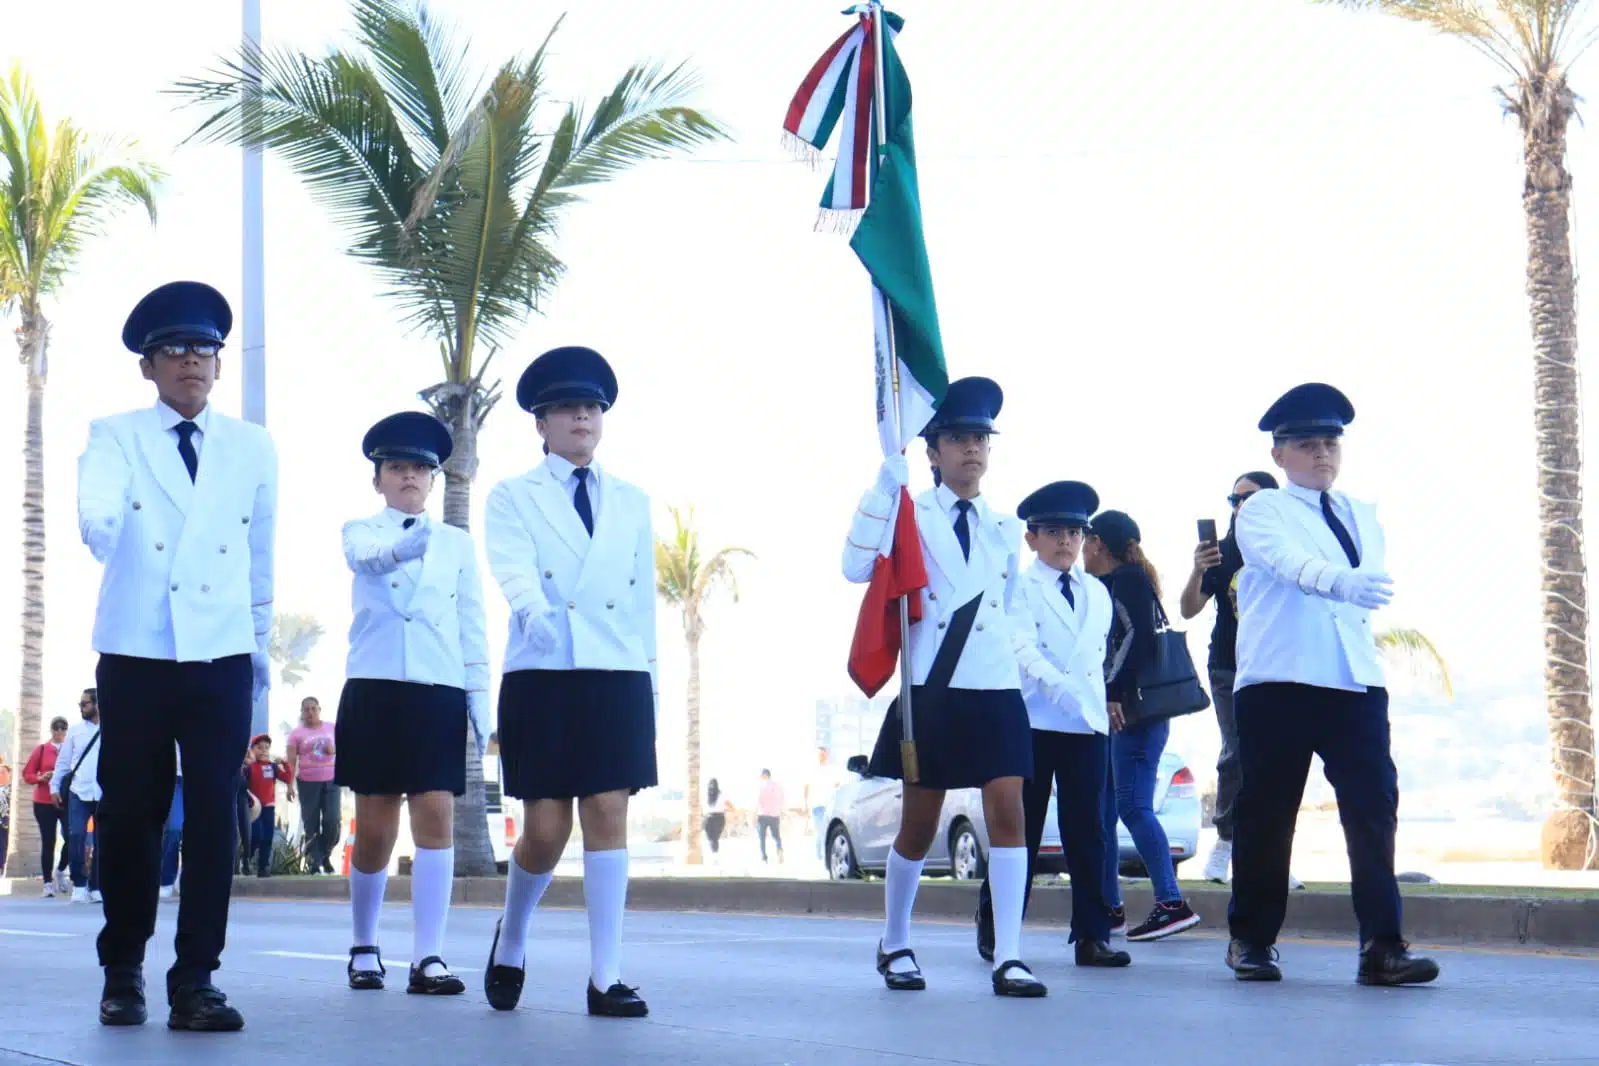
<point x="1250" y="962"/>
<point x="1220" y="861"/>
<point x="1391" y="963"/>
<point x="1295" y="884"/>
<point x="1163" y="921"/>
<point x="80" y="895"/>
<point x="166" y="892"/>
<point x="49" y="890"/>
<point x="63" y="882"/>
<point x="95" y="897"/>
<point x="1118" y="921"/>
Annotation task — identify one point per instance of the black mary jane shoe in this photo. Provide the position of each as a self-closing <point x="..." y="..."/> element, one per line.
<point x="502" y="984"/>
<point x="445" y="984"/>
<point x="122" y="1001"/>
<point x="618" y="1001"/>
<point x="203" y="1009"/>
<point x="900" y="981"/>
<point x="366" y="980"/>
<point x="1005" y="985"/>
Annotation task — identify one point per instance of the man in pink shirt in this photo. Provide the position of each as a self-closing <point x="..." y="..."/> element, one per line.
<point x="769" y="814"/>
<point x="311" y="758"/>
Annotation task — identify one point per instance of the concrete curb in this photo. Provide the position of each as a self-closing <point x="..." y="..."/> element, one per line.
<point x="1494" y="921"/>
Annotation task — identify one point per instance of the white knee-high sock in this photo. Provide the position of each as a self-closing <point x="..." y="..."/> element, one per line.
<point x="432" y="882"/>
<point x="1007" y="880"/>
<point x="903" y="878"/>
<point x="605" y="895"/>
<point x="366" y="902"/>
<point x="523" y="891"/>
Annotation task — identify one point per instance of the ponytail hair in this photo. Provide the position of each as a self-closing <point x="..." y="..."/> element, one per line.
<point x="1135" y="554"/>
<point x="712" y="791"/>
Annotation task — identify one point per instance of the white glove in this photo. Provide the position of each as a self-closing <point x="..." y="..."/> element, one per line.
<point x="1364" y="588"/>
<point x="1059" y="691"/>
<point x="539" y="629"/>
<point x="413" y="542"/>
<point x="477" y="707"/>
<point x="261" y="664"/>
<point x="894" y="475"/>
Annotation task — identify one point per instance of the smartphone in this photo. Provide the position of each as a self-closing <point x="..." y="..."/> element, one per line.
<point x="1207" y="531"/>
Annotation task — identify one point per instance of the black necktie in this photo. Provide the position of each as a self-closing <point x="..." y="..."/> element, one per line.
<point x="186" y="432"/>
<point x="963" y="529"/>
<point x="1066" y="590"/>
<point x="585" y="510"/>
<point x="1339" y="529"/>
<point x="408" y="523"/>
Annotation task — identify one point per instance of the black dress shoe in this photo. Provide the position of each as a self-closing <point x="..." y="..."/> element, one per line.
<point x="985" y="936"/>
<point x="445" y="984"/>
<point x="366" y="980"/>
<point x="1099" y="953"/>
<point x="122" y="1002"/>
<point x="203" y="1009"/>
<point x="1020" y="988"/>
<point x="1250" y="962"/>
<point x="900" y="981"/>
<point x="502" y="984"/>
<point x="618" y="1001"/>
<point x="1389" y="962"/>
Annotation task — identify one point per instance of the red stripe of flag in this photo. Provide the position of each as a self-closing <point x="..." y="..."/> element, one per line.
<point x="865" y="92"/>
<point x="802" y="99"/>
<point x="874" y="652"/>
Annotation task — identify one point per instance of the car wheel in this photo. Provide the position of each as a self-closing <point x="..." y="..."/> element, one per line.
<point x="966" y="862"/>
<point x="841" y="865"/>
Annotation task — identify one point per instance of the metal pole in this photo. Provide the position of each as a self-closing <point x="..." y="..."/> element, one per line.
<point x="907" y="744"/>
<point x="252" y="304"/>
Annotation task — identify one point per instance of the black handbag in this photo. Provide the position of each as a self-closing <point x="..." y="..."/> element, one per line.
<point x="1168" y="684"/>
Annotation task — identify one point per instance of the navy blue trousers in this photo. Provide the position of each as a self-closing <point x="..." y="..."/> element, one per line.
<point x="146" y="705"/>
<point x="1279" y="727"/>
<point x="1074" y="765"/>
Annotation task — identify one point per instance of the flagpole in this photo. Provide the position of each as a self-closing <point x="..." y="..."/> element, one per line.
<point x="909" y="766"/>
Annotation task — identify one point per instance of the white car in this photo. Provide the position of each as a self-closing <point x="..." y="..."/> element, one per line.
<point x="864" y="819"/>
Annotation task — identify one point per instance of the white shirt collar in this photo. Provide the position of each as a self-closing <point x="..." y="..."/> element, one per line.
<point x="947" y="499"/>
<point x="398" y="517"/>
<point x="563" y="467"/>
<point x="1051" y="575"/>
<point x="1310" y="496"/>
<point x="171" y="418"/>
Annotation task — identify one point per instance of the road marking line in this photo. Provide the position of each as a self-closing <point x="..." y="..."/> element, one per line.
<point x="316" y="957"/>
<point x="35" y="932"/>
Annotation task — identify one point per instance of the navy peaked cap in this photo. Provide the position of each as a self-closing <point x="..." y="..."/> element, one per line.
<point x="1311" y="410"/>
<point x="413" y="435"/>
<point x="176" y="312"/>
<point x="1060" y="503"/>
<point x="971" y="404"/>
<point x="566" y="375"/>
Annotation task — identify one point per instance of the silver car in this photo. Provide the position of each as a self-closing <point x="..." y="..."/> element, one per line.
<point x="864" y="819"/>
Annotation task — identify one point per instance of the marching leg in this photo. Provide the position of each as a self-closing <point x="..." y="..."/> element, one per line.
<point x="432" y="881"/>
<point x="1007" y="868"/>
<point x="605" y="896"/>
<point x="378" y="821"/>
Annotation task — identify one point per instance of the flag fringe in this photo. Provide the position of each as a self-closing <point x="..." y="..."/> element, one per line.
<point x="802" y="151"/>
<point x="843" y="223"/>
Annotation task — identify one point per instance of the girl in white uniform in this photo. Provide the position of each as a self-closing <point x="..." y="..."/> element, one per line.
<point x="972" y="728"/>
<point x="418" y="674"/>
<point x="574" y="552"/>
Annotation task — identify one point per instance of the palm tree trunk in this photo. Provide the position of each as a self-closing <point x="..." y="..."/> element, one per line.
<point x="1545" y="110"/>
<point x="33" y="339"/>
<point x="474" y="855"/>
<point x="695" y="817"/>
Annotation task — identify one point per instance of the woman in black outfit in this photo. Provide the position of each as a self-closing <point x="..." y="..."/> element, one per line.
<point x="1112" y="553"/>
<point x="716" y="815"/>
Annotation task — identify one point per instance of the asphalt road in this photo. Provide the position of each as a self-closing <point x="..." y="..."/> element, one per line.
<point x="728" y="990"/>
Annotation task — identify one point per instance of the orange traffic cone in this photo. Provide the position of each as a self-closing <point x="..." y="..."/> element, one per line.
<point x="349" y="847"/>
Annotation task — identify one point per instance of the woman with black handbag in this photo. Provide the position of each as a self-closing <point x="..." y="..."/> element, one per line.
<point x="1138" y="730"/>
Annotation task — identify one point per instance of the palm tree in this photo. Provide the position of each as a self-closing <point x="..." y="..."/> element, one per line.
<point x="453" y="194"/>
<point x="1413" y="646"/>
<point x="1534" y="43"/>
<point x="58" y="189"/>
<point x="686" y="578"/>
<point x="293" y="637"/>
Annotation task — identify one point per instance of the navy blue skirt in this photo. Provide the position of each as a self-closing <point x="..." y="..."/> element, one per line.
<point x="965" y="738"/>
<point x="566" y="734"/>
<point x="400" y="738"/>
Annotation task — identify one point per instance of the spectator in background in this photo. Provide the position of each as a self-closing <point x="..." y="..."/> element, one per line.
<point x="715" y="815"/>
<point x="819" y="794"/>
<point x="266" y="773"/>
<point x="311" y="754"/>
<point x="40" y="768"/>
<point x="76" y="789"/>
<point x="5" y="811"/>
<point x="769" y="814"/>
<point x="172" y="835"/>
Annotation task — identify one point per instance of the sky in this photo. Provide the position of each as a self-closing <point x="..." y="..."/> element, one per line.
<point x="1145" y="221"/>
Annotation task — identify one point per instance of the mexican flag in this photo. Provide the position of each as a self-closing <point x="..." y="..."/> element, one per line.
<point x="876" y="189"/>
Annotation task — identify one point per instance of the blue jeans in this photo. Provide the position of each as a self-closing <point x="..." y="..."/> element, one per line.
<point x="261" y="838"/>
<point x="172" y="838"/>
<point x="819" y="816"/>
<point x="80" y="841"/>
<point x="1130" y="795"/>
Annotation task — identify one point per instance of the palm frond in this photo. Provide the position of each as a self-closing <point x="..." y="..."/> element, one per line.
<point x="423" y="70"/>
<point x="1419" y="651"/>
<point x="1524" y="38"/>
